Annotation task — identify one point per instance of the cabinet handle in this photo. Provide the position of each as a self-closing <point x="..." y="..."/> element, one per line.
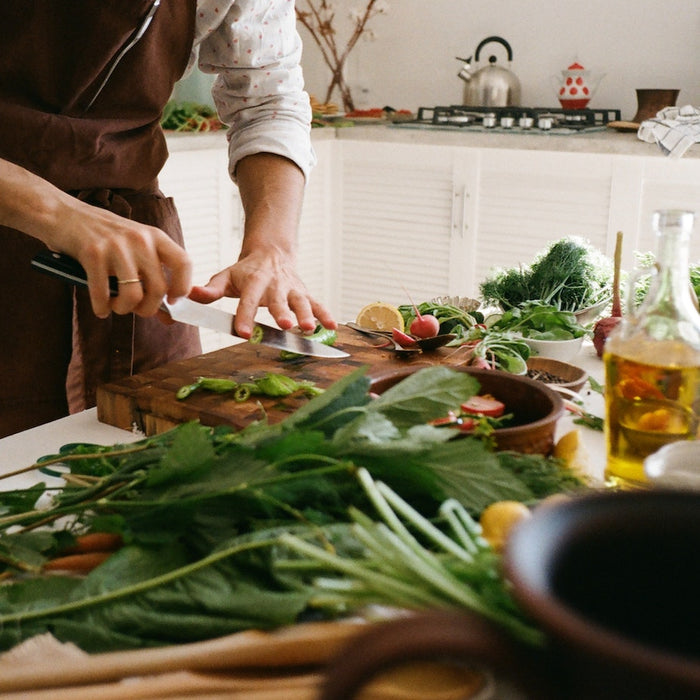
<point x="459" y="211"/>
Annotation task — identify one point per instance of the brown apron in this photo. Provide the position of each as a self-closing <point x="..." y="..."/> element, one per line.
<point x="56" y="54"/>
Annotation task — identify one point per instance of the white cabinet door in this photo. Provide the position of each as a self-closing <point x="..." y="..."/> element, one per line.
<point x="401" y="221"/>
<point x="669" y="184"/>
<point x="526" y="200"/>
<point x="318" y="253"/>
<point x="210" y="212"/>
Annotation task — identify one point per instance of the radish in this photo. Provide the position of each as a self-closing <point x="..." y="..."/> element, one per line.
<point x="605" y="326"/>
<point x="403" y="339"/>
<point x="480" y="363"/>
<point x="423" y="326"/>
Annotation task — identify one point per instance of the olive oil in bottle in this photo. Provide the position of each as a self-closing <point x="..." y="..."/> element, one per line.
<point x="652" y="361"/>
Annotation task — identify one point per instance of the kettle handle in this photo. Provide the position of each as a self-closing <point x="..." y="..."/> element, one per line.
<point x="488" y="40"/>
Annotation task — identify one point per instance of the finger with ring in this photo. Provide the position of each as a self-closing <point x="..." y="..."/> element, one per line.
<point x="129" y="281"/>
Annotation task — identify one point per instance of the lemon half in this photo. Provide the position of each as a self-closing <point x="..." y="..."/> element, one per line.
<point x="571" y="449"/>
<point x="380" y="316"/>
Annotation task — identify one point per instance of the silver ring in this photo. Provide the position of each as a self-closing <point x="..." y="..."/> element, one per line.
<point x="131" y="281"/>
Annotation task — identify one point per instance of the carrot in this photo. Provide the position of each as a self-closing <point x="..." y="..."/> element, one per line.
<point x="77" y="563"/>
<point x="95" y="542"/>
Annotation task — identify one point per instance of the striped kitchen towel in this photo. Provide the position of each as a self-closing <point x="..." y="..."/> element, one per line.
<point x="674" y="129"/>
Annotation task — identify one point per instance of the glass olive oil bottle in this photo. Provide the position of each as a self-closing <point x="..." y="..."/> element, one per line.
<point x="652" y="361"/>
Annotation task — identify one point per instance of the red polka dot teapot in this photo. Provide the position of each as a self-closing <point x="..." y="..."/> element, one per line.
<point x="576" y="86"/>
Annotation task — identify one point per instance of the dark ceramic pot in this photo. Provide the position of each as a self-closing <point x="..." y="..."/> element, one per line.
<point x="613" y="580"/>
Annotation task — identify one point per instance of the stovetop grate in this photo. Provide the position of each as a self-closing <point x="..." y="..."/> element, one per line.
<point x="515" y="118"/>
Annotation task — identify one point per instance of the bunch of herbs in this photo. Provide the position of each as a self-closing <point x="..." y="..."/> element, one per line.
<point x="570" y="274"/>
<point x="203" y="513"/>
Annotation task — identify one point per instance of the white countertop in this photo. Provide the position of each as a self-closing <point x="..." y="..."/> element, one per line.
<point x="606" y="141"/>
<point x="23" y="449"/>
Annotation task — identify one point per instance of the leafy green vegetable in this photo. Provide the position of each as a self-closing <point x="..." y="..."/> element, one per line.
<point x="496" y="349"/>
<point x="271" y="384"/>
<point x="452" y="319"/>
<point x="201" y="511"/>
<point x="435" y="567"/>
<point x="539" y="321"/>
<point x="190" y="116"/>
<point x="570" y="275"/>
<point x="643" y="281"/>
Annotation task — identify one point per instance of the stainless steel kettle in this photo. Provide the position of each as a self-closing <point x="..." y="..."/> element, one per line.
<point x="492" y="85"/>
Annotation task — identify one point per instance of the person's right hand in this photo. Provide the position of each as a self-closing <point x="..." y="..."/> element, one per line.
<point x="109" y="245"/>
<point x="105" y="243"/>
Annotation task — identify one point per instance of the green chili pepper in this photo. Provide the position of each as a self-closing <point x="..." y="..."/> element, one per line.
<point x="220" y="386"/>
<point x="276" y="385"/>
<point x="320" y="335"/>
<point x="242" y="393"/>
<point x="256" y="336"/>
<point x="184" y="391"/>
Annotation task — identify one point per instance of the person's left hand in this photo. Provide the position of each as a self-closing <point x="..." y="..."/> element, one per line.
<point x="263" y="279"/>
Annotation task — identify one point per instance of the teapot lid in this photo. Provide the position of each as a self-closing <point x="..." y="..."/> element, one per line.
<point x="575" y="66"/>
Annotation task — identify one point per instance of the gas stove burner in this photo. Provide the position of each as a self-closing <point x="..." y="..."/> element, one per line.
<point x="515" y="119"/>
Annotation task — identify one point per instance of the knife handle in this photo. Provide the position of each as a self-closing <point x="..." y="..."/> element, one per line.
<point x="68" y="269"/>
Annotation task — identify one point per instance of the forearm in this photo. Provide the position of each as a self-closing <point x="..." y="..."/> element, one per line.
<point x="272" y="191"/>
<point x="30" y="204"/>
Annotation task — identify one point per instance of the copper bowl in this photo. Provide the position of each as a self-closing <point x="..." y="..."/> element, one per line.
<point x="535" y="407"/>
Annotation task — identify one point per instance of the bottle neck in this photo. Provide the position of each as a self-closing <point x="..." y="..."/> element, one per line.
<point x="672" y="261"/>
<point x="672" y="288"/>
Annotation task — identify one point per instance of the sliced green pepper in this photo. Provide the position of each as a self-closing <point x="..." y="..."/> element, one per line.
<point x="320" y="335"/>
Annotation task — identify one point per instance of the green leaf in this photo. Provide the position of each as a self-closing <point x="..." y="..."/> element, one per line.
<point x="190" y="454"/>
<point x="20" y="500"/>
<point x="426" y="394"/>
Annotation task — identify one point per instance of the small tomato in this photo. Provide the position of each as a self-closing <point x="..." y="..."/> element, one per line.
<point x="485" y="405"/>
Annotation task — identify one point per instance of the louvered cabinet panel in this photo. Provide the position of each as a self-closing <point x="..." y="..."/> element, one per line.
<point x="318" y="253"/>
<point x="209" y="207"/>
<point x="669" y="184"/>
<point x="528" y="199"/>
<point x="396" y="223"/>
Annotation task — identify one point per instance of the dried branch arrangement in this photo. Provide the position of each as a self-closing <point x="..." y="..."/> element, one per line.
<point x="319" y="19"/>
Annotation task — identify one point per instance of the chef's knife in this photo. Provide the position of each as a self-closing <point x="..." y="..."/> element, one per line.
<point x="190" y="312"/>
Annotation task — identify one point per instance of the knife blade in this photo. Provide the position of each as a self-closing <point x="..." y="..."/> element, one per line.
<point x="191" y="312"/>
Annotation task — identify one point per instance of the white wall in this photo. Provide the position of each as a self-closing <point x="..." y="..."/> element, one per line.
<point x="411" y="63"/>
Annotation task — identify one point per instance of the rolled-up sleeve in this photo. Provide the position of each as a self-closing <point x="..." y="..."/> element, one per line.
<point x="255" y="50"/>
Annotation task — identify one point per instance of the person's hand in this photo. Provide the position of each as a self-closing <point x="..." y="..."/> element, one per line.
<point x="261" y="279"/>
<point x="147" y="263"/>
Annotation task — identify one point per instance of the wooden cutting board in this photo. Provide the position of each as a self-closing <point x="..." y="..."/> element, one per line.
<point x="147" y="401"/>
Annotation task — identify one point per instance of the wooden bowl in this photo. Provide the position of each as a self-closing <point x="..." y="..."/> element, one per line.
<point x="536" y="407"/>
<point x="571" y="376"/>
